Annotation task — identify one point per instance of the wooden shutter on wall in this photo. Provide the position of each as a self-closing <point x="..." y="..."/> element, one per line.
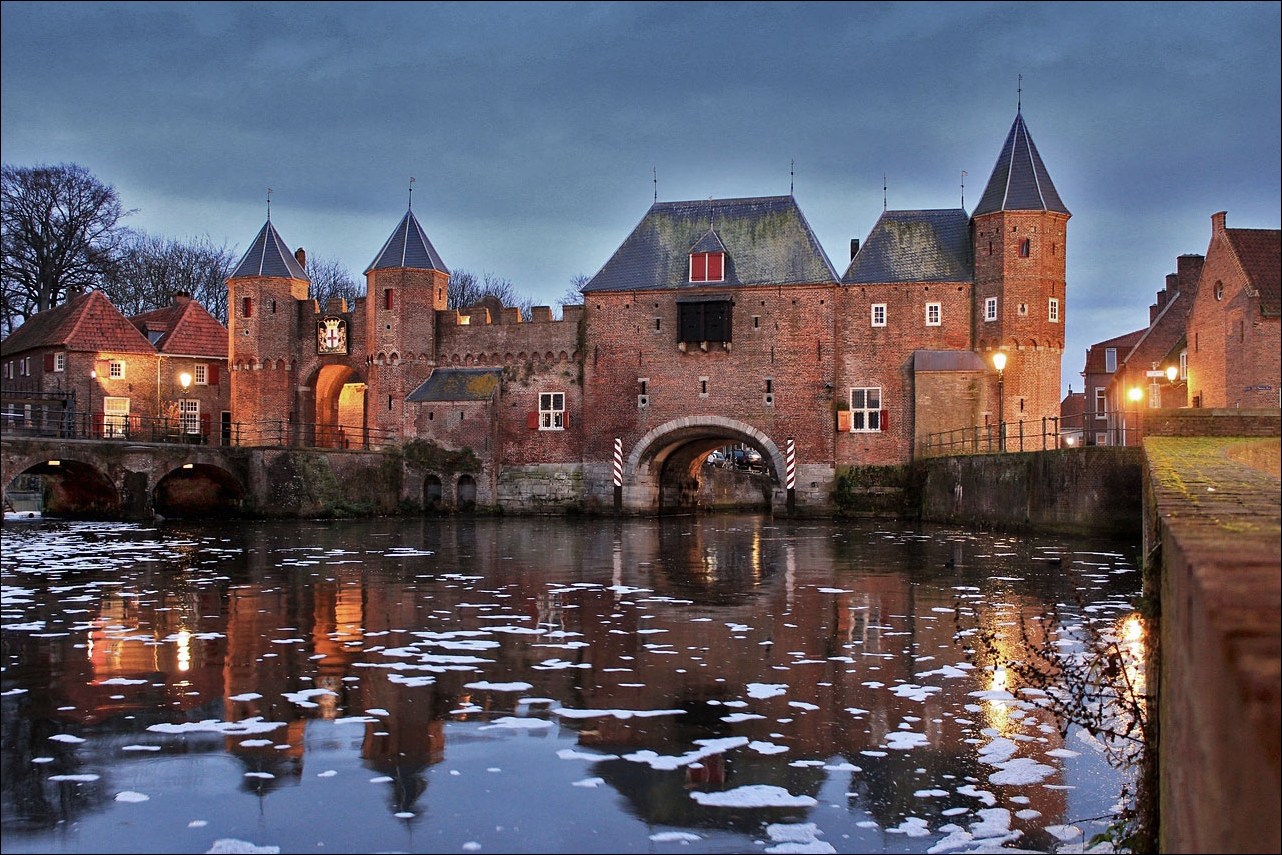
<point x="211" y="375"/>
<point x="532" y="421"/>
<point x="48" y="362"/>
<point x="885" y="420"/>
<point x="843" y="420"/>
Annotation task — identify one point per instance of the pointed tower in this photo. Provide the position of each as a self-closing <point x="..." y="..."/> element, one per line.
<point x="264" y="292"/>
<point x="1019" y="229"/>
<point x="406" y="285"/>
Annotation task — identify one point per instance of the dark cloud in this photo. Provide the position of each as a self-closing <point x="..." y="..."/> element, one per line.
<point x="534" y="130"/>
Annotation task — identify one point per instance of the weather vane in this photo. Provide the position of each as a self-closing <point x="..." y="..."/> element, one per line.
<point x="655" y="171"/>
<point x="1019" y="94"/>
<point x="411" y="191"/>
<point x="964" y="174"/>
<point x="792" y="175"/>
<point x="269" y="204"/>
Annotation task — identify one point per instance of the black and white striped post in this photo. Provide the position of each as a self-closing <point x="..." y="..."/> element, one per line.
<point x="618" y="474"/>
<point x="792" y="475"/>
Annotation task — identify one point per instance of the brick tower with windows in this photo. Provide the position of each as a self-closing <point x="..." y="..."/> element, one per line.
<point x="406" y="285"/>
<point x="1019" y="229"/>
<point x="264" y="294"/>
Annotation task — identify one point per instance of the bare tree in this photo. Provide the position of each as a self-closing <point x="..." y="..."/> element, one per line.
<point x="466" y="290"/>
<point x="60" y="229"/>
<point x="150" y="270"/>
<point x="573" y="295"/>
<point x="331" y="280"/>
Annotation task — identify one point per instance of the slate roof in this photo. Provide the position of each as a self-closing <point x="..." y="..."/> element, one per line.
<point x="184" y="329"/>
<point x="915" y="246"/>
<point x="1019" y="181"/>
<point x="1259" y="251"/>
<point x="458" y="384"/>
<point x="408" y="247"/>
<point x="948" y="360"/>
<point x="268" y="256"/>
<point x="767" y="242"/>
<point x="87" y="321"/>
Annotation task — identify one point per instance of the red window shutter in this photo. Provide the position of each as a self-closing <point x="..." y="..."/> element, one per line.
<point x="204" y="424"/>
<point x="388" y="298"/>
<point x="715" y="263"/>
<point x="97" y="424"/>
<point x="211" y="375"/>
<point x="565" y="420"/>
<point x="247" y="307"/>
<point x="843" y="420"/>
<point x="885" y="420"/>
<point x="48" y="362"/>
<point x="699" y="267"/>
<point x="532" y="420"/>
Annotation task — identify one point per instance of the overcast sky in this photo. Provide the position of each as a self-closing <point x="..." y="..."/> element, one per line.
<point x="534" y="131"/>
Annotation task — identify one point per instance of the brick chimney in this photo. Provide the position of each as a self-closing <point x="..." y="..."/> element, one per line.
<point x="301" y="257"/>
<point x="181" y="297"/>
<point x="1217" y="222"/>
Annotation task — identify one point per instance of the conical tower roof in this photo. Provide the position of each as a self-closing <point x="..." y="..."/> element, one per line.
<point x="1019" y="181"/>
<point x="408" y="247"/>
<point x="268" y="256"/>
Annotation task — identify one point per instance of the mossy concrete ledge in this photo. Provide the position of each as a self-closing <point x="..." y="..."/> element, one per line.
<point x="1212" y="514"/>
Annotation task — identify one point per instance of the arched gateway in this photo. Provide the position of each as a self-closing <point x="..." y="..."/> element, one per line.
<point x="665" y="467"/>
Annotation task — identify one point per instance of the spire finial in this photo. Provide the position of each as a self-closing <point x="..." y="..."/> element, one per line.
<point x="269" y="204"/>
<point x="411" y="205"/>
<point x="655" y="171"/>
<point x="1019" y="94"/>
<point x="963" y="188"/>
<point x="884" y="195"/>
<point x="792" y="175"/>
<point x="709" y="213"/>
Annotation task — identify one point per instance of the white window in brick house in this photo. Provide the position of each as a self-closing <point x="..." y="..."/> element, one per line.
<point x="879" y="314"/>
<point x="1101" y="402"/>
<point x="865" y="409"/>
<point x="60" y="362"/>
<point x="933" y="315"/>
<point x="1110" y="359"/>
<point x="1184" y="364"/>
<point x="200" y="374"/>
<point x="990" y="309"/>
<point x="117" y="370"/>
<point x="115" y="417"/>
<point x="189" y="415"/>
<point x="552" y="411"/>
<point x="1052" y="311"/>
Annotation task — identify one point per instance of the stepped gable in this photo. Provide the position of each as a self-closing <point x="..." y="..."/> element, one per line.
<point x="1019" y="181"/>
<point x="915" y="246"/>
<point x="87" y="322"/>
<point x="767" y="241"/>
<point x="408" y="247"/>
<point x="184" y="328"/>
<point x="268" y="256"/>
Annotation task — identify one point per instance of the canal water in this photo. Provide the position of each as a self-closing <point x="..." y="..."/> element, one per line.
<point x="687" y="684"/>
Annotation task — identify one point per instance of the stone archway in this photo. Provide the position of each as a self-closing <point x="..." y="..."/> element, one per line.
<point x="664" y="469"/>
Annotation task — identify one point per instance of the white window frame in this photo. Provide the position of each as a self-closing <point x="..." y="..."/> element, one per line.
<point x="1154" y="395"/>
<point x="938" y="311"/>
<point x="865" y="418"/>
<point x="1184" y="364"/>
<point x="1052" y="310"/>
<point x="551" y="411"/>
<point x="115" y="417"/>
<point x="990" y="308"/>
<point x="200" y="374"/>
<point x="1110" y="359"/>
<point x="116" y="369"/>
<point x="189" y="415"/>
<point x="1101" y="402"/>
<point x="24" y="365"/>
<point x="60" y="362"/>
<point x="1101" y="438"/>
<point x="877" y="314"/>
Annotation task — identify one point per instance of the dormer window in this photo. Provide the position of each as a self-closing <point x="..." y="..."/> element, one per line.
<point x="707" y="266"/>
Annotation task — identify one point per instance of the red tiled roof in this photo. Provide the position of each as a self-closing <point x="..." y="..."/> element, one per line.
<point x="186" y="328"/>
<point x="85" y="322"/>
<point x="1259" y="251"/>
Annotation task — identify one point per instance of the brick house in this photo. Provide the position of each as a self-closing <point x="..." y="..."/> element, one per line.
<point x="1102" y="423"/>
<point x="1233" y="329"/>
<point x="82" y="367"/>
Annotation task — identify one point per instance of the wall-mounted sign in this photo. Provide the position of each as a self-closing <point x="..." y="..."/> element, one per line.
<point x="331" y="335"/>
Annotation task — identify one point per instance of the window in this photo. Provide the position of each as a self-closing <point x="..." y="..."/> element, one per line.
<point x="1052" y="311"/>
<point x="189" y="415"/>
<point x="247" y="307"/>
<point x="865" y="409"/>
<point x="703" y="387"/>
<point x="707" y="267"/>
<point x="115" y="417"/>
<point x="1110" y="359"/>
<point x="200" y="375"/>
<point x="932" y="314"/>
<point x="1101" y="439"/>
<point x="117" y="370"/>
<point x="1025" y="248"/>
<point x="60" y="362"/>
<point x="552" y="411"/>
<point x="1154" y="395"/>
<point x="879" y="314"/>
<point x="704" y="321"/>
<point x="1101" y="402"/>
<point x="1184" y="365"/>
<point x="389" y="298"/>
<point x="24" y="366"/>
<point x="990" y="309"/>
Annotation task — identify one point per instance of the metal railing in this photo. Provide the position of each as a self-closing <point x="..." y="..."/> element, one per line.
<point x="1041" y="435"/>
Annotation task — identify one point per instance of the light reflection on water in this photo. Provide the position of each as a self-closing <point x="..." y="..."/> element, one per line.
<point x="538" y="685"/>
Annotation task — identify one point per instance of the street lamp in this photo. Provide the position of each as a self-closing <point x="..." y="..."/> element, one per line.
<point x="1135" y="394"/>
<point x="999" y="362"/>
<point x="1171" y="373"/>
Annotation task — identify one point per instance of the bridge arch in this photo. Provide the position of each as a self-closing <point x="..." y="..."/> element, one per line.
<point x="664" y="470"/>
<point x="197" y="490"/>
<point x="68" y="487"/>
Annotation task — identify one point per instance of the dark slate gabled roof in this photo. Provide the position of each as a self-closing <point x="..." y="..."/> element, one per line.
<point x="268" y="256"/>
<point x="709" y="243"/>
<point x="767" y="241"/>
<point x="1019" y="181"/>
<point x="915" y="246"/>
<point x="408" y="247"/>
<point x="458" y="384"/>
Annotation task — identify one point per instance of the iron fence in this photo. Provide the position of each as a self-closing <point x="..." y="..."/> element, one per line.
<point x="1040" y="435"/>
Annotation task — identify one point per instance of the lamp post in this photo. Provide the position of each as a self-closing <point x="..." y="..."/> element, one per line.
<point x="1135" y="394"/>
<point x="184" y="381"/>
<point x="999" y="362"/>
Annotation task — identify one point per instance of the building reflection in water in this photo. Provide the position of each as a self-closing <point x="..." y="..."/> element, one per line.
<point x="671" y="614"/>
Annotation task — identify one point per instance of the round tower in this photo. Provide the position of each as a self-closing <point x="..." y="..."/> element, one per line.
<point x="1019" y="231"/>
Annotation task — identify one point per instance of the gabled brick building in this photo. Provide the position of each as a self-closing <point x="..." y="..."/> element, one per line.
<point x="715" y="322"/>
